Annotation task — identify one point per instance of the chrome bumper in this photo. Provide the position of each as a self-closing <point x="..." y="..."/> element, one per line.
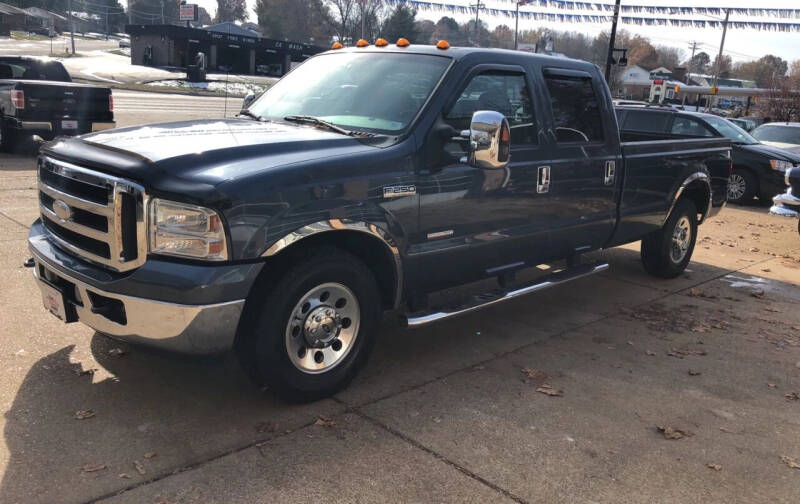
<point x="192" y="329"/>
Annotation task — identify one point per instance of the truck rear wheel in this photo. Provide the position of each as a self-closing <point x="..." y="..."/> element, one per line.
<point x="314" y="329"/>
<point x="7" y="138"/>
<point x="667" y="252"/>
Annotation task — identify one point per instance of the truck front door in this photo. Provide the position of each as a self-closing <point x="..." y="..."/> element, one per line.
<point x="474" y="221"/>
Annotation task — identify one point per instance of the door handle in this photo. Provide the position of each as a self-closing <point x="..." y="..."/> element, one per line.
<point x="543" y="182"/>
<point x="611" y="168"/>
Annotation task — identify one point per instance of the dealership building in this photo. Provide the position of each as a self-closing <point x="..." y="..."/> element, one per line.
<point x="227" y="48"/>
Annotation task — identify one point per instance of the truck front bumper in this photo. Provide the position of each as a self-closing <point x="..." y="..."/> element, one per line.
<point x="198" y="311"/>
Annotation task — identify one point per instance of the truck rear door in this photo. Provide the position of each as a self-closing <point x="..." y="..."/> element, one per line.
<point x="67" y="107"/>
<point x="585" y="168"/>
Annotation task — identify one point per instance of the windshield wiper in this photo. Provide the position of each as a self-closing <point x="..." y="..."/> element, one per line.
<point x="247" y="113"/>
<point x="316" y="121"/>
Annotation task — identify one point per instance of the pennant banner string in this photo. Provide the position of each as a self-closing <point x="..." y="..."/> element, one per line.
<point x="554" y="17"/>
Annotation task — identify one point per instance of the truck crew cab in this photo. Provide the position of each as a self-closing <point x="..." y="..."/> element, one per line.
<point x="362" y="181"/>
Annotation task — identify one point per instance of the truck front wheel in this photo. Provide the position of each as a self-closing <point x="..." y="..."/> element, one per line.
<point x="314" y="329"/>
<point x="667" y="252"/>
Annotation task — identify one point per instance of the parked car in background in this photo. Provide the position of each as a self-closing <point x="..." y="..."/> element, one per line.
<point x="745" y="124"/>
<point x="37" y="97"/>
<point x="787" y="204"/>
<point x="124" y="42"/>
<point x="363" y="181"/>
<point x="782" y="135"/>
<point x="758" y="169"/>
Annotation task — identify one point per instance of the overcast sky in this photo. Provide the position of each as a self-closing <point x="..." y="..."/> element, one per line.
<point x="739" y="44"/>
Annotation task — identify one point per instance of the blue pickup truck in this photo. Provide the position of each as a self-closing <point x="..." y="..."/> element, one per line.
<point x="363" y="181"/>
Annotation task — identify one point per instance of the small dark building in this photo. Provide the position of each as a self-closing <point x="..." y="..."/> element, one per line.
<point x="169" y="46"/>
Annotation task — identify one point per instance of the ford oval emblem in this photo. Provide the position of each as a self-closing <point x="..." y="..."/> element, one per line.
<point x="62" y="210"/>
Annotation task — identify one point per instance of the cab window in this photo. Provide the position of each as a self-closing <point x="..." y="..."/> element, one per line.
<point x="504" y="92"/>
<point x="576" y="109"/>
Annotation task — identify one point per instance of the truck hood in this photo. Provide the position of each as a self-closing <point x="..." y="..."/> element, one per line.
<point x="159" y="142"/>
<point x="771" y="152"/>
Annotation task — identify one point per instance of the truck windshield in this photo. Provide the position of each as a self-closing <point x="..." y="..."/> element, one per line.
<point x="730" y="130"/>
<point x="369" y="91"/>
<point x="781" y="134"/>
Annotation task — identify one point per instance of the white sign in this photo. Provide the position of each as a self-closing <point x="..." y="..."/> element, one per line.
<point x="188" y="12"/>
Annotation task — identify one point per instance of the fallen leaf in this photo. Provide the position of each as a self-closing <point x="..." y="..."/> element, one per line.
<point x="116" y="352"/>
<point x="792" y="396"/>
<point x="84" y="414"/>
<point x="550" y="391"/>
<point x="758" y="293"/>
<point x="771" y="385"/>
<point x="694" y="373"/>
<point x="766" y="270"/>
<point x="650" y="352"/>
<point x="728" y="431"/>
<point x="534" y="374"/>
<point x="479" y="368"/>
<point x="695" y="292"/>
<point x="325" y="422"/>
<point x="139" y="467"/>
<point x="771" y="309"/>
<point x="716" y="467"/>
<point x="630" y="343"/>
<point x="262" y="427"/>
<point x="790" y="461"/>
<point x="754" y="249"/>
<point x="673" y="433"/>
<point x="124" y="475"/>
<point x="84" y="372"/>
<point x="90" y="468"/>
<point x="150" y="455"/>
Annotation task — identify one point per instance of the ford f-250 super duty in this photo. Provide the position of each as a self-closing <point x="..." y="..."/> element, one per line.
<point x="363" y="181"/>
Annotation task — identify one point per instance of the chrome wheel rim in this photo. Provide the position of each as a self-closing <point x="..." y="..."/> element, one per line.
<point x="736" y="187"/>
<point x="322" y="328"/>
<point x="681" y="239"/>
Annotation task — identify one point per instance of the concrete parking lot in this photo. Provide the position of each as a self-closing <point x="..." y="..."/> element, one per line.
<point x="614" y="388"/>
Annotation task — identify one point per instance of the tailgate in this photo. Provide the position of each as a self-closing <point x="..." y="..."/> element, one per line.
<point x="46" y="102"/>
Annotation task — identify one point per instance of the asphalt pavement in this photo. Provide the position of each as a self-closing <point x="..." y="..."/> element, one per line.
<point x="616" y="388"/>
<point x="134" y="107"/>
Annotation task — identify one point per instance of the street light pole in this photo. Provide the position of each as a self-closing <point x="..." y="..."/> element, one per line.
<point x="611" y="41"/>
<point x="516" y="29"/>
<point x="478" y="6"/>
<point x="721" y="46"/>
<point x="71" y="25"/>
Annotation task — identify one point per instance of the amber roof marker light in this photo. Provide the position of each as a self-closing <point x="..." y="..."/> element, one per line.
<point x="362" y="43"/>
<point x="443" y="45"/>
<point x="381" y="42"/>
<point x="403" y="42"/>
<point x="337" y="45"/>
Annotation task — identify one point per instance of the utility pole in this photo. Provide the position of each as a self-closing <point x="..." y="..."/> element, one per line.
<point x="162" y="12"/>
<point x="478" y="6"/>
<point x="691" y="61"/>
<point x="71" y="25"/>
<point x="611" y="41"/>
<point x="516" y="26"/>
<point x="719" y="56"/>
<point x="130" y="12"/>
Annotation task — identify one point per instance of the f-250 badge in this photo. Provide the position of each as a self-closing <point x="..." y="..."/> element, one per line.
<point x="399" y="191"/>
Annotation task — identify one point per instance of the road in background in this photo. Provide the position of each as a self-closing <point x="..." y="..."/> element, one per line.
<point x="14" y="47"/>
<point x="134" y="107"/>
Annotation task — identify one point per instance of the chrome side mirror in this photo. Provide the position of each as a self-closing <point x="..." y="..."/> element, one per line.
<point x="250" y="98"/>
<point x="489" y="140"/>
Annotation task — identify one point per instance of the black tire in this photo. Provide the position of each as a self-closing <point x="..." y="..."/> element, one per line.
<point x="8" y="138"/>
<point x="660" y="258"/>
<point x="262" y="344"/>
<point x="742" y="186"/>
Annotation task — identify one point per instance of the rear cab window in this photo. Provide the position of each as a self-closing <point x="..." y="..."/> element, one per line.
<point x="687" y="126"/>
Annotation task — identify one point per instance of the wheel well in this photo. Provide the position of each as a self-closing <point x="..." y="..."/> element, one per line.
<point x="371" y="250"/>
<point x="699" y="194"/>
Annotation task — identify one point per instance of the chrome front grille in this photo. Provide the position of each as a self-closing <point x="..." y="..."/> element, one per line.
<point x="94" y="215"/>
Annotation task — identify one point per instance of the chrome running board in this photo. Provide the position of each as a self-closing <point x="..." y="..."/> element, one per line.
<point x="490" y="298"/>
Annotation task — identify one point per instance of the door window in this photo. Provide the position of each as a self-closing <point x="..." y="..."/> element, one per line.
<point x="576" y="109"/>
<point x="686" y="126"/>
<point x="504" y="92"/>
